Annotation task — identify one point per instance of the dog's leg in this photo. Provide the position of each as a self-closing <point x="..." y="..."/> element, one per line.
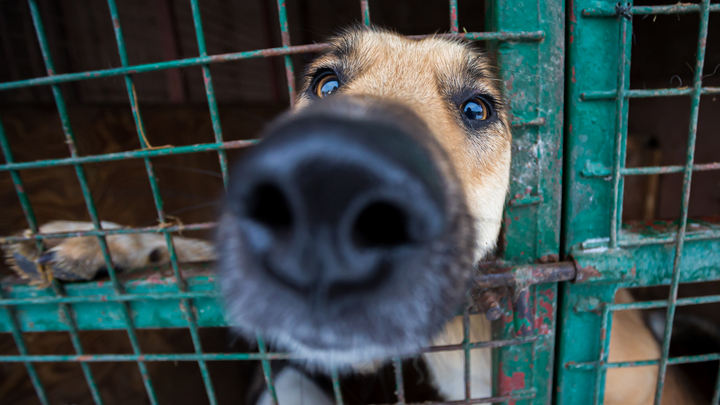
<point x="447" y="368"/>
<point x="293" y="387"/>
<point x="81" y="258"/>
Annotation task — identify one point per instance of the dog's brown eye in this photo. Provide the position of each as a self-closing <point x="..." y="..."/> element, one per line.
<point x="476" y="109"/>
<point x="326" y="85"/>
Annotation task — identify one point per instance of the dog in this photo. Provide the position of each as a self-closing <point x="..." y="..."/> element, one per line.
<point x="349" y="235"/>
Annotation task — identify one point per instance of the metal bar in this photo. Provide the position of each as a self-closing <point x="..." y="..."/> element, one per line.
<point x="592" y="365"/>
<point x="69" y="319"/>
<point x="267" y="371"/>
<point x="611" y="94"/>
<point x="466" y="352"/>
<point x="260" y="53"/>
<point x="716" y="395"/>
<point x="399" y="383"/>
<point x="138" y="154"/>
<point x="365" y="11"/>
<point x="453" y="16"/>
<point x="285" y="37"/>
<point x="92" y="211"/>
<point x="210" y="90"/>
<point x="336" y="387"/>
<point x="687" y="180"/>
<point x="185" y="305"/>
<point x="599" y="396"/>
<point x="650" y="10"/>
<point x="663" y="303"/>
<point x="65" y="310"/>
<point x="22" y="349"/>
<point x="535" y="122"/>
<point x="263" y="355"/>
<point x="111" y="298"/>
<point x="620" y="133"/>
<point x="668" y="169"/>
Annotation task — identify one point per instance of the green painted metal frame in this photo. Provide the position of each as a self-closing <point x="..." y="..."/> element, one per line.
<point x="529" y="42"/>
<point x="598" y="55"/>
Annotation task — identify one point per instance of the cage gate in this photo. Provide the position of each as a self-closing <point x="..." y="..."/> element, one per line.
<point x="600" y="37"/>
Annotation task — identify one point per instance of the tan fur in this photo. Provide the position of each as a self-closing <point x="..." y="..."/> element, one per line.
<point x="408" y="71"/>
<point x="631" y="340"/>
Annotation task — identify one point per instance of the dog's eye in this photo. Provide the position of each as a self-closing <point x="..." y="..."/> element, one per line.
<point x="476" y="109"/>
<point x="326" y="85"/>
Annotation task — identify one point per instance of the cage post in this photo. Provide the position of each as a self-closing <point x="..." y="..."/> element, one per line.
<point x="90" y="204"/>
<point x="185" y="305"/>
<point x="687" y="180"/>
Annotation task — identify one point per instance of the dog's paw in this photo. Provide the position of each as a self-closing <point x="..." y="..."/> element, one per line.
<point x="81" y="258"/>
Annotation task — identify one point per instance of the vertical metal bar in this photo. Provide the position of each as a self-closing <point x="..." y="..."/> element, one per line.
<point x="285" y="35"/>
<point x="336" y="387"/>
<point x="365" y="11"/>
<point x="32" y="223"/>
<point x="69" y="320"/>
<point x="716" y="395"/>
<point x="453" y="16"/>
<point x="399" y="383"/>
<point x="599" y="396"/>
<point x="89" y="203"/>
<point x="186" y="305"/>
<point x="620" y="131"/>
<point x="687" y="180"/>
<point x="267" y="370"/>
<point x="210" y="90"/>
<point x="466" y="350"/>
<point x="22" y="349"/>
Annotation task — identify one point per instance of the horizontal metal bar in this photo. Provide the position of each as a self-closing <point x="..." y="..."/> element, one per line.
<point x="634" y="171"/>
<point x="597" y="170"/>
<point x="109" y="298"/>
<point x="496" y="275"/>
<point x="592" y="365"/>
<point x="611" y="94"/>
<point x="516" y="395"/>
<point x="137" y="154"/>
<point x="231" y="356"/>
<point x="261" y="53"/>
<point x="663" y="303"/>
<point x="97" y="358"/>
<point x="536" y="122"/>
<point x="493" y="344"/>
<point x="642" y="240"/>
<point x="649" y="10"/>
<point x="486" y="36"/>
<point x="104" y="232"/>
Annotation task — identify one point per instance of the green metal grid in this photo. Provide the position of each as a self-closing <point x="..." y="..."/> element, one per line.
<point x="533" y="33"/>
<point x="599" y="53"/>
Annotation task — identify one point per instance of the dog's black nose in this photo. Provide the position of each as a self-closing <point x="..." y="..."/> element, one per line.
<point x="330" y="205"/>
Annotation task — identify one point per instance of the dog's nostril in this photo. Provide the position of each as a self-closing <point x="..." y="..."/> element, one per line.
<point x="269" y="206"/>
<point x="380" y="225"/>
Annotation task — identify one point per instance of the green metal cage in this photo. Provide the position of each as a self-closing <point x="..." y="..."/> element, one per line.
<point x="629" y="255"/>
<point x="553" y="128"/>
<point x="191" y="302"/>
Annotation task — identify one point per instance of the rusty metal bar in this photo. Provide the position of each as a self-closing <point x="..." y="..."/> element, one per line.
<point x="685" y="202"/>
